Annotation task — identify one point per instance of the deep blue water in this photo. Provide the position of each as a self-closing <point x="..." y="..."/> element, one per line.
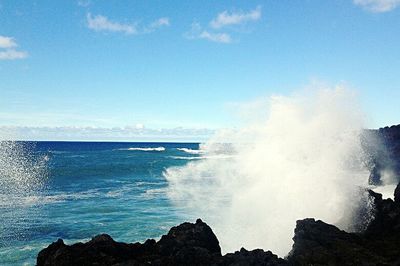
<point x="87" y="188"/>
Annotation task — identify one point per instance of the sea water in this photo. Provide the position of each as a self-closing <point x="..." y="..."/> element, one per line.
<point x="76" y="190"/>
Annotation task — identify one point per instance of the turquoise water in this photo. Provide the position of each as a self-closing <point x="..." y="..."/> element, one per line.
<point x="75" y="190"/>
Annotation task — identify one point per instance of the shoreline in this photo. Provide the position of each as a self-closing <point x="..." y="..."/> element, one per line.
<point x="315" y="243"/>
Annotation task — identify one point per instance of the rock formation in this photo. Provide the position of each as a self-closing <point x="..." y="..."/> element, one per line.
<point x="382" y="148"/>
<point x="315" y="243"/>
<point x="186" y="244"/>
<point x="318" y="243"/>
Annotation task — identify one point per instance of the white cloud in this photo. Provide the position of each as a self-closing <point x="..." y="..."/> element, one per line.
<point x="135" y="133"/>
<point x="161" y="22"/>
<point x="139" y="126"/>
<point x="226" y="18"/>
<point x="215" y="37"/>
<point x="197" y="32"/>
<point x="102" y="23"/>
<point x="7" y="49"/>
<point x="7" y="42"/>
<point x="213" y="32"/>
<point x="378" y="6"/>
<point x="11" y="54"/>
<point x="83" y="3"/>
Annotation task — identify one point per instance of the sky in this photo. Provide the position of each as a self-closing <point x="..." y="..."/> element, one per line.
<point x="171" y="69"/>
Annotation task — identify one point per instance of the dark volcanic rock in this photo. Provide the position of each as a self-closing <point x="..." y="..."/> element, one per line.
<point x="382" y="149"/>
<point x="101" y="250"/>
<point x="318" y="243"/>
<point x="315" y="243"/>
<point x="397" y="194"/>
<point x="186" y="235"/>
<point x="186" y="244"/>
<point x="250" y="258"/>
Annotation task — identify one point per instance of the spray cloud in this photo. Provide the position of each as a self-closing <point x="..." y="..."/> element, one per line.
<point x="304" y="159"/>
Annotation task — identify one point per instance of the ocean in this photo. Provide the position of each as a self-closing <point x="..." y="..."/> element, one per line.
<point x="76" y="190"/>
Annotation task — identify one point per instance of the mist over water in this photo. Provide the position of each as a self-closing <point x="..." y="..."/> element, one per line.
<point x="22" y="180"/>
<point x="303" y="159"/>
<point x="21" y="171"/>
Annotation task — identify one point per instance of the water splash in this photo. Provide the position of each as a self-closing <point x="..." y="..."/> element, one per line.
<point x="23" y="176"/>
<point x="303" y="159"/>
<point x="21" y="171"/>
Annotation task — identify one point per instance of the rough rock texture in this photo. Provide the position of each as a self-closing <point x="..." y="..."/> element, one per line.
<point x="315" y="243"/>
<point x="318" y="243"/>
<point x="397" y="195"/>
<point x="186" y="244"/>
<point x="254" y="257"/>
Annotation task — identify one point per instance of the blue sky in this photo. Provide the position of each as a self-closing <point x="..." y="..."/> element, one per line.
<point x="179" y="64"/>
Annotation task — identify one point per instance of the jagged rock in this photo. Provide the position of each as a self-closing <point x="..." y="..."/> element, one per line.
<point x="382" y="150"/>
<point x="101" y="250"/>
<point x="383" y="221"/>
<point x="186" y="244"/>
<point x="397" y="194"/>
<point x="186" y="235"/>
<point x="318" y="243"/>
<point x="252" y="258"/>
<point x="315" y="243"/>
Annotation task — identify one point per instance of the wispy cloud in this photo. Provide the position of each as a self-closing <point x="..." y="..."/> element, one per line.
<point x="84" y="3"/>
<point x="378" y="6"/>
<point x="11" y="54"/>
<point x="7" y="42"/>
<point x="161" y="22"/>
<point x="8" y="49"/>
<point x="102" y="23"/>
<point x="197" y="32"/>
<point x="134" y="133"/>
<point x="224" y="19"/>
<point x="216" y="37"/>
<point x="227" y="18"/>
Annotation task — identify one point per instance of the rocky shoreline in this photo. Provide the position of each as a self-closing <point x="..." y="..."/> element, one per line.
<point x="315" y="242"/>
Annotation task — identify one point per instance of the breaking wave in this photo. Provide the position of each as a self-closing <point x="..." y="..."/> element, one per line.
<point x="143" y="149"/>
<point x="190" y="151"/>
<point x="303" y="158"/>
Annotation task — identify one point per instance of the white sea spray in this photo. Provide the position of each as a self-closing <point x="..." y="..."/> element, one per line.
<point x="303" y="159"/>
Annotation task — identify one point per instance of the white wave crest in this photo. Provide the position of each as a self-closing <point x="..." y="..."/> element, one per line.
<point x="186" y="158"/>
<point x="191" y="151"/>
<point x="143" y="149"/>
<point x="220" y="156"/>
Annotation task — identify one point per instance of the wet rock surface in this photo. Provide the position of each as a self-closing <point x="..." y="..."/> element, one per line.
<point x="382" y="148"/>
<point x="318" y="243"/>
<point x="186" y="244"/>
